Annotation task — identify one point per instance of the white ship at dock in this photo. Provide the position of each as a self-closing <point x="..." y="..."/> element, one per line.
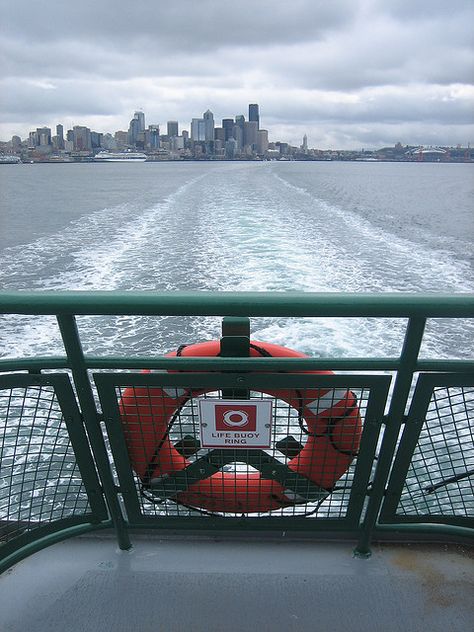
<point x="120" y="156"/>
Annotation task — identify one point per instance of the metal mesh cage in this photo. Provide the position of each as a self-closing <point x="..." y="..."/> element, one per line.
<point x="39" y="478"/>
<point x="440" y="479"/>
<point x="306" y="470"/>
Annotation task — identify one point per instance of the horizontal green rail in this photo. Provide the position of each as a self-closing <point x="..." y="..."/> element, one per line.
<point x="295" y="304"/>
<point x="225" y="364"/>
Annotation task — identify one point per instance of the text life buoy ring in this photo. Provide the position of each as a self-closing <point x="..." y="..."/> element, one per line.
<point x="333" y="436"/>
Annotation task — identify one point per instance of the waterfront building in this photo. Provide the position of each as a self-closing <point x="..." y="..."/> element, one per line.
<point x="108" y="142"/>
<point x="208" y="118"/>
<point x="172" y="129"/>
<point x="60" y="136"/>
<point x="43" y="137"/>
<point x="152" y="137"/>
<point x="238" y="134"/>
<point x="121" y="138"/>
<point x="262" y="141"/>
<point x="16" y="143"/>
<point x="96" y="140"/>
<point x="254" y="114"/>
<point x="82" y="140"/>
<point x="250" y="134"/>
<point x="176" y="143"/>
<point x="230" y="148"/>
<point x="140" y="144"/>
<point x="40" y="140"/>
<point x="218" y="147"/>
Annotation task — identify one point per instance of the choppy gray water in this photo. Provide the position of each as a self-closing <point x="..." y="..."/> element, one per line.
<point x="349" y="227"/>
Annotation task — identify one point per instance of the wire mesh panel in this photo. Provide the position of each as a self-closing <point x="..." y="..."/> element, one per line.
<point x="438" y="480"/>
<point x="43" y="478"/>
<point x="284" y="448"/>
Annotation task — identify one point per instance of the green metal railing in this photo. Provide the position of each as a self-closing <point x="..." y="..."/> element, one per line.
<point x="66" y="466"/>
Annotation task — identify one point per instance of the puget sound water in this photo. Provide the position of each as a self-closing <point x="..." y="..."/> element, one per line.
<point x="274" y="226"/>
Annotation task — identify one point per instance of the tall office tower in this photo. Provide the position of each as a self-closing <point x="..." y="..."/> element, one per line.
<point x="230" y="148"/>
<point x="172" y="129"/>
<point x="304" y="146"/>
<point x="141" y="120"/>
<point x="109" y="142"/>
<point x="240" y="120"/>
<point x="250" y="134"/>
<point x="43" y="136"/>
<point x="228" y="126"/>
<point x="219" y="134"/>
<point x="238" y="134"/>
<point x="152" y="137"/>
<point x="60" y="135"/>
<point x="262" y="141"/>
<point x="31" y="140"/>
<point x="81" y="138"/>
<point x="96" y="140"/>
<point x="198" y="129"/>
<point x="253" y="113"/>
<point x="133" y="131"/>
<point x="208" y="117"/>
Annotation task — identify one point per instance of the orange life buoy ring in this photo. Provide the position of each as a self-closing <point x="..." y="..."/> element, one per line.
<point x="333" y="436"/>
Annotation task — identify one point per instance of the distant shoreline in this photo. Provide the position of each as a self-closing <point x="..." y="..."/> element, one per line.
<point x="181" y="161"/>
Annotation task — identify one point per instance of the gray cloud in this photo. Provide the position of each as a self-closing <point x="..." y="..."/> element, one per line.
<point x="347" y="72"/>
<point x="183" y="24"/>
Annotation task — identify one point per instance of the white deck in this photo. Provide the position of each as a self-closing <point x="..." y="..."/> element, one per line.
<point x="168" y="585"/>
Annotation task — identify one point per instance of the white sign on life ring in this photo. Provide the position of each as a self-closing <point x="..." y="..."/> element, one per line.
<point x="235" y="424"/>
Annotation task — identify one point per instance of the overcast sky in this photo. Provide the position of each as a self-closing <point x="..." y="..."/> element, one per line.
<point x="348" y="73"/>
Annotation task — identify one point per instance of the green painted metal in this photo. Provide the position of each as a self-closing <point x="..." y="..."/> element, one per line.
<point x="225" y="364"/>
<point x="235" y="343"/>
<point x="64" y="395"/>
<point x="378" y="479"/>
<point x="415" y="421"/>
<point x="43" y="537"/>
<point x="404" y="378"/>
<point x="245" y="304"/>
<point x="73" y="347"/>
<point x="213" y="461"/>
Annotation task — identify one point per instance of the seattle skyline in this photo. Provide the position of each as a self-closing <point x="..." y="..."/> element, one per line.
<point x="234" y="139"/>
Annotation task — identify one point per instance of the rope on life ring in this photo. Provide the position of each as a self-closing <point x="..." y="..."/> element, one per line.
<point x="329" y="418"/>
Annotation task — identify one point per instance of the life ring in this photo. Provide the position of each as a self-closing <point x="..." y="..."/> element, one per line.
<point x="333" y="436"/>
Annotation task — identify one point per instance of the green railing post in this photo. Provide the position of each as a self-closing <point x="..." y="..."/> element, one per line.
<point x="395" y="417"/>
<point x="235" y="343"/>
<point x="72" y="344"/>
